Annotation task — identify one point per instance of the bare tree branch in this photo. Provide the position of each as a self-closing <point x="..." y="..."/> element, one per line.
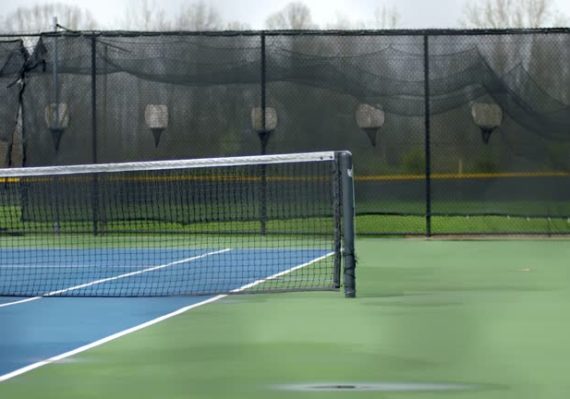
<point x="39" y="18"/>
<point x="383" y="18"/>
<point x="343" y="22"/>
<point x="145" y="15"/>
<point x="199" y="17"/>
<point x="294" y="16"/>
<point x="512" y="14"/>
<point x="237" y="25"/>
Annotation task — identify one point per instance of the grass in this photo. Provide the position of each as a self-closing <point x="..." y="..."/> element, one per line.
<point x="10" y="222"/>
<point x="278" y="229"/>
<point x="444" y="225"/>
<point x="489" y="313"/>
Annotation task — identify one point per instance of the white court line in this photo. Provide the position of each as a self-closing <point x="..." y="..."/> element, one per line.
<point x="3" y="305"/>
<point x="106" y="280"/>
<point x="131" y="274"/>
<point x="277" y="275"/>
<point x="149" y="323"/>
<point x="59" y="266"/>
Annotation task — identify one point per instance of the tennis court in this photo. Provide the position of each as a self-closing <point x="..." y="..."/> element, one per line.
<point x="145" y="272"/>
<point x="473" y="319"/>
<point x="120" y="281"/>
<point x="174" y="234"/>
<point x="78" y="323"/>
<point x="126" y="277"/>
<point x="103" y="295"/>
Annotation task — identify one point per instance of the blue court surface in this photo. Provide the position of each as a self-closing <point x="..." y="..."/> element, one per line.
<point x="34" y="329"/>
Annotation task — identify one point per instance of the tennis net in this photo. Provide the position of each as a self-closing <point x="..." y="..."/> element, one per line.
<point x="188" y="227"/>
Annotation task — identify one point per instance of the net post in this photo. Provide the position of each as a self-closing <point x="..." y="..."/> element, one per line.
<point x="348" y="230"/>
<point x="337" y="221"/>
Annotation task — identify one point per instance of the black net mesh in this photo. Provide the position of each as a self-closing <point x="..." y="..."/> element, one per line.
<point x="268" y="224"/>
<point x="491" y="155"/>
<point x="208" y="84"/>
<point x="519" y="179"/>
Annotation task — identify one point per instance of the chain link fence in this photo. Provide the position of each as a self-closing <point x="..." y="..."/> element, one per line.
<point x="452" y="132"/>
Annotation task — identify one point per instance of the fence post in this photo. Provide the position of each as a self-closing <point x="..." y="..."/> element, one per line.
<point x="94" y="99"/>
<point x="427" y="141"/>
<point x="95" y="183"/>
<point x="264" y="138"/>
<point x="56" y="118"/>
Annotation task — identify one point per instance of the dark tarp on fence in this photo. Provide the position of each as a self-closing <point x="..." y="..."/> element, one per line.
<point x="12" y="60"/>
<point x="430" y="171"/>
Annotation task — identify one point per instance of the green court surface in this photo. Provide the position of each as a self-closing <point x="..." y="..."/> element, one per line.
<point x="482" y="319"/>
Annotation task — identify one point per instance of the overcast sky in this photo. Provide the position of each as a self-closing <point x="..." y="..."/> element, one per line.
<point x="413" y="13"/>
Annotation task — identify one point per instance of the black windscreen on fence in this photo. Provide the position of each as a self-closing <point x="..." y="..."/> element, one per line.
<point x="12" y="60"/>
<point x="452" y="132"/>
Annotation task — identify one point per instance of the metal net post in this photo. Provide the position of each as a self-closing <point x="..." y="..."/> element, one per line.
<point x="348" y="253"/>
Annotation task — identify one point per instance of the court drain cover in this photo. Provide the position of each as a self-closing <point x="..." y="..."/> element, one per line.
<point x="379" y="387"/>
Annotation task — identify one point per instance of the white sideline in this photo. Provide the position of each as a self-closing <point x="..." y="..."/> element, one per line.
<point x="105" y="280"/>
<point x="131" y="274"/>
<point x="4" y="305"/>
<point x="149" y="323"/>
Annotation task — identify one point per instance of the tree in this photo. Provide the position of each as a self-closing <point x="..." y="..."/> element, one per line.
<point x="145" y="15"/>
<point x="150" y="16"/>
<point x="293" y="16"/>
<point x="343" y="22"/>
<point x="237" y="25"/>
<point x="199" y="17"/>
<point x="39" y="18"/>
<point x="512" y="14"/>
<point x="383" y="18"/>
